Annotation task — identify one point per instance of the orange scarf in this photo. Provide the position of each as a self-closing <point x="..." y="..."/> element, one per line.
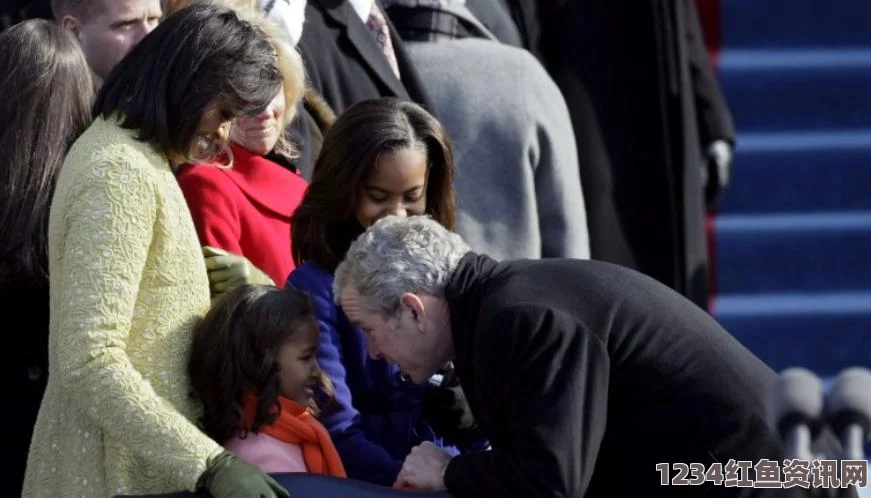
<point x="295" y="425"/>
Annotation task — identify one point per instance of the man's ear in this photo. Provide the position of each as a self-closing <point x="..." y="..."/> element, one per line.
<point x="72" y="24"/>
<point x="415" y="306"/>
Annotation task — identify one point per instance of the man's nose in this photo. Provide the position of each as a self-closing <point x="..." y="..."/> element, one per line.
<point x="374" y="352"/>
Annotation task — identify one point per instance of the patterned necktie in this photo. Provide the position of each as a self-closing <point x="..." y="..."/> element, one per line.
<point x="378" y="26"/>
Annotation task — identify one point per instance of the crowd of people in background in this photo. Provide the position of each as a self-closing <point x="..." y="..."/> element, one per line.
<point x="181" y="179"/>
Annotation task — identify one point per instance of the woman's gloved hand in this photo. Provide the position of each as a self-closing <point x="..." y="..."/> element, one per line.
<point x="228" y="477"/>
<point x="228" y="271"/>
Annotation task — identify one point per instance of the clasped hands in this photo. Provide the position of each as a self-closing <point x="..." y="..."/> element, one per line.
<point x="424" y="468"/>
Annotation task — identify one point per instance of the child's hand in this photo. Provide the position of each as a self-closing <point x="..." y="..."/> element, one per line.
<point x="228" y="271"/>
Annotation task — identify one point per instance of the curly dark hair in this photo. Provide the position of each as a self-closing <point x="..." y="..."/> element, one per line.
<point x="234" y="353"/>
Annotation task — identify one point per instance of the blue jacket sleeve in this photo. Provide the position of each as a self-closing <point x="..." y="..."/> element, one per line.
<point x="363" y="459"/>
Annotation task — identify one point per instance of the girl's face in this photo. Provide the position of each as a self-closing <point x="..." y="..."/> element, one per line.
<point x="298" y="369"/>
<point x="260" y="132"/>
<point x="395" y="185"/>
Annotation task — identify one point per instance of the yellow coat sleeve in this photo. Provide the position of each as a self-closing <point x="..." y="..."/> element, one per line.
<point x="108" y="228"/>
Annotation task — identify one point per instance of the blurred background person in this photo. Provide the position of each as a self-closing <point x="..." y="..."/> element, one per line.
<point x="107" y="29"/>
<point x="641" y="68"/>
<point x="45" y="99"/>
<point x="518" y="190"/>
<point x="498" y="20"/>
<point x="352" y="53"/>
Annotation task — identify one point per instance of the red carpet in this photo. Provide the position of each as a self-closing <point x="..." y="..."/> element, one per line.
<point x="709" y="16"/>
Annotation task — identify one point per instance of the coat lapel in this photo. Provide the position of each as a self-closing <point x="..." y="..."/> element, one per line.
<point x="264" y="182"/>
<point x="364" y="42"/>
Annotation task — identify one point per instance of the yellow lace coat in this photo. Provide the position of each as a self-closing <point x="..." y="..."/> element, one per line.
<point x="127" y="281"/>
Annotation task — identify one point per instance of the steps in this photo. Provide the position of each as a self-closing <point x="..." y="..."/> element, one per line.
<point x="799" y="89"/>
<point x="794" y="231"/>
<point x="782" y="163"/>
<point x="816" y="331"/>
<point x="795" y="23"/>
<point x="806" y="253"/>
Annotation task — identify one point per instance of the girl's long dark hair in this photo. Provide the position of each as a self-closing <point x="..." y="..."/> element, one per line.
<point x="325" y="224"/>
<point x="46" y="92"/>
<point x="234" y="353"/>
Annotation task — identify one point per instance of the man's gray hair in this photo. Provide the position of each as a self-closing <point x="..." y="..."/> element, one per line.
<point x="397" y="255"/>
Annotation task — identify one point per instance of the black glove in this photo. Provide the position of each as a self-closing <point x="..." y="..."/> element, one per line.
<point x="448" y="413"/>
<point x="716" y="172"/>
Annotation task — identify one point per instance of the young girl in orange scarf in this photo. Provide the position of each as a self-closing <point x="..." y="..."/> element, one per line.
<point x="253" y="368"/>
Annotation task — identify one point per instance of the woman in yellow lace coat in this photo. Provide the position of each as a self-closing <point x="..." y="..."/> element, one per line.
<point x="128" y="278"/>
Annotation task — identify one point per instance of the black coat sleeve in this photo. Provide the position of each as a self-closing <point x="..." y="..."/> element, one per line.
<point x="713" y="116"/>
<point x="542" y="387"/>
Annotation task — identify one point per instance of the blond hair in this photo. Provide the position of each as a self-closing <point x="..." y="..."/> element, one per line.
<point x="289" y="61"/>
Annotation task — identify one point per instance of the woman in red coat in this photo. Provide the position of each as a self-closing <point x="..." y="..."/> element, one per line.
<point x="245" y="209"/>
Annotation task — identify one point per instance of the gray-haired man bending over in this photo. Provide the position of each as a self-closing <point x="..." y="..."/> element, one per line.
<point x="583" y="375"/>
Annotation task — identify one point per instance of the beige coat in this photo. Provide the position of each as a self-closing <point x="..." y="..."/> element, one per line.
<point x="127" y="282"/>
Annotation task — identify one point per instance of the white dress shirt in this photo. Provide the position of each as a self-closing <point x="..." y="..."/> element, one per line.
<point x="362" y="8"/>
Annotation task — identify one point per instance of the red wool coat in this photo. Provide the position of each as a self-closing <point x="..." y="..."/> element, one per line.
<point x="246" y="209"/>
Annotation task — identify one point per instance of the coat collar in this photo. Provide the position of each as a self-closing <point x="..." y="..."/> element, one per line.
<point x="357" y="32"/>
<point x="264" y="182"/>
<point x="471" y="272"/>
<point x="463" y="294"/>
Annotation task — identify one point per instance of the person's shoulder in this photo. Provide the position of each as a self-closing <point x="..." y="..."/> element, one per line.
<point x="517" y="268"/>
<point x="533" y="282"/>
<point x="210" y="171"/>
<point x="311" y="277"/>
<point x="316" y="23"/>
<point x="204" y="177"/>
<point x="465" y="51"/>
<point x="107" y="157"/>
<point x="106" y="140"/>
<point x="509" y="328"/>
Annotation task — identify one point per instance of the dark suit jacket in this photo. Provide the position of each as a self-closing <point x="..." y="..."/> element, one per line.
<point x="344" y="63"/>
<point x="636" y="75"/>
<point x="584" y="375"/>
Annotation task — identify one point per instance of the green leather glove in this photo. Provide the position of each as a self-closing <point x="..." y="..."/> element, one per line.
<point x="228" y="477"/>
<point x="228" y="271"/>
